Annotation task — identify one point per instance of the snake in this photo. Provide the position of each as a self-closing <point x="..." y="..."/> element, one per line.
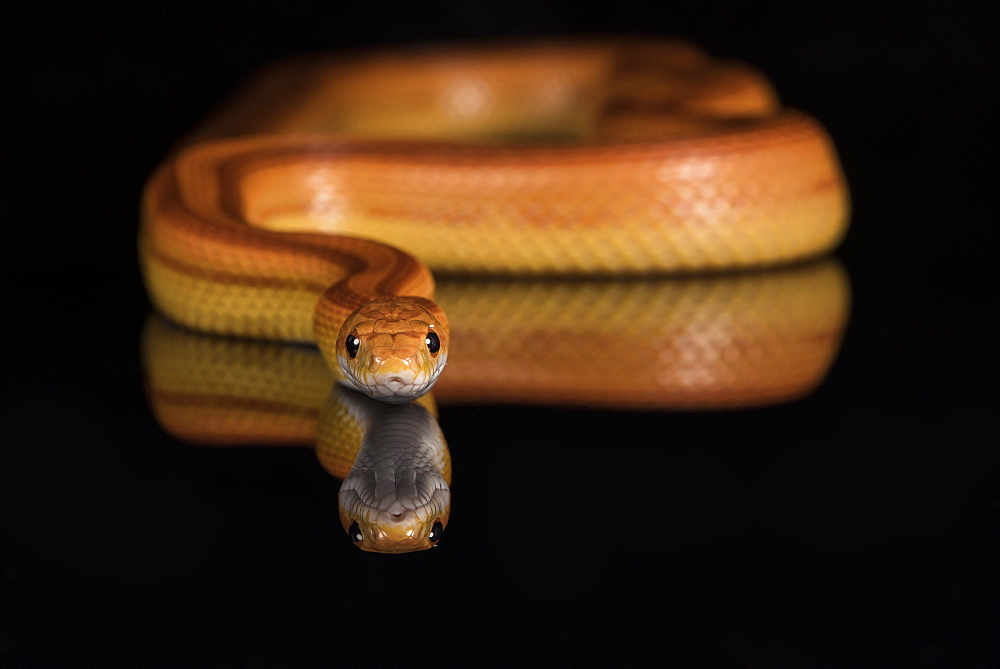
<point x="321" y="201"/>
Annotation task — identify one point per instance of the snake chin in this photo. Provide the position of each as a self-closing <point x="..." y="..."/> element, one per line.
<point x="395" y="386"/>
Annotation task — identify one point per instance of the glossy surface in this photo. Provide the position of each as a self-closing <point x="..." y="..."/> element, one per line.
<point x="712" y="342"/>
<point x="856" y="526"/>
<point x="719" y="342"/>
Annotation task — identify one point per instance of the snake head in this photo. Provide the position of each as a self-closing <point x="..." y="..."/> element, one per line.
<point x="393" y="349"/>
<point x="395" y="498"/>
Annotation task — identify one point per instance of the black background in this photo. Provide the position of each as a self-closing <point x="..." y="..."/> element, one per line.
<point x="858" y="525"/>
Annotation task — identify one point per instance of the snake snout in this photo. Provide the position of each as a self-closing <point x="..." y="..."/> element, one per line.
<point x="393" y="360"/>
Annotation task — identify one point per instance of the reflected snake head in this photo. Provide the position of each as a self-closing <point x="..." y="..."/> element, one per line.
<point x="393" y="349"/>
<point x="395" y="509"/>
<point x="404" y="532"/>
<point x="395" y="498"/>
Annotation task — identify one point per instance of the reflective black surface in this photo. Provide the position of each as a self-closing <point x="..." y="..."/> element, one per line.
<point x="858" y="524"/>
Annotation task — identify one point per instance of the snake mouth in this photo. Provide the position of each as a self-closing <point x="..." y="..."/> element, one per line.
<point x="396" y="390"/>
<point x="395" y="387"/>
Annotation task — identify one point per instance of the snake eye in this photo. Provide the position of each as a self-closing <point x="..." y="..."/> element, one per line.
<point x="353" y="344"/>
<point x="433" y="342"/>
<point x="436" y="531"/>
<point x="354" y="532"/>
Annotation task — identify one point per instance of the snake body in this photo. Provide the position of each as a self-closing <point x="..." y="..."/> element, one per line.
<point x="315" y="205"/>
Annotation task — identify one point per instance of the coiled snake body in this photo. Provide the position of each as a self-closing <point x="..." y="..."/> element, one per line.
<point x="312" y="207"/>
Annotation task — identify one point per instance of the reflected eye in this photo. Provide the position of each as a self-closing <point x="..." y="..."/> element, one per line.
<point x="353" y="344"/>
<point x="433" y="342"/>
<point x="354" y="532"/>
<point x="436" y="532"/>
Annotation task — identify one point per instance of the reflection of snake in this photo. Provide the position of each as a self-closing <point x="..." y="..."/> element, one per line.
<point x="712" y="342"/>
<point x="393" y="460"/>
<point x="749" y="339"/>
<point x="668" y="161"/>
<point x="603" y="158"/>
